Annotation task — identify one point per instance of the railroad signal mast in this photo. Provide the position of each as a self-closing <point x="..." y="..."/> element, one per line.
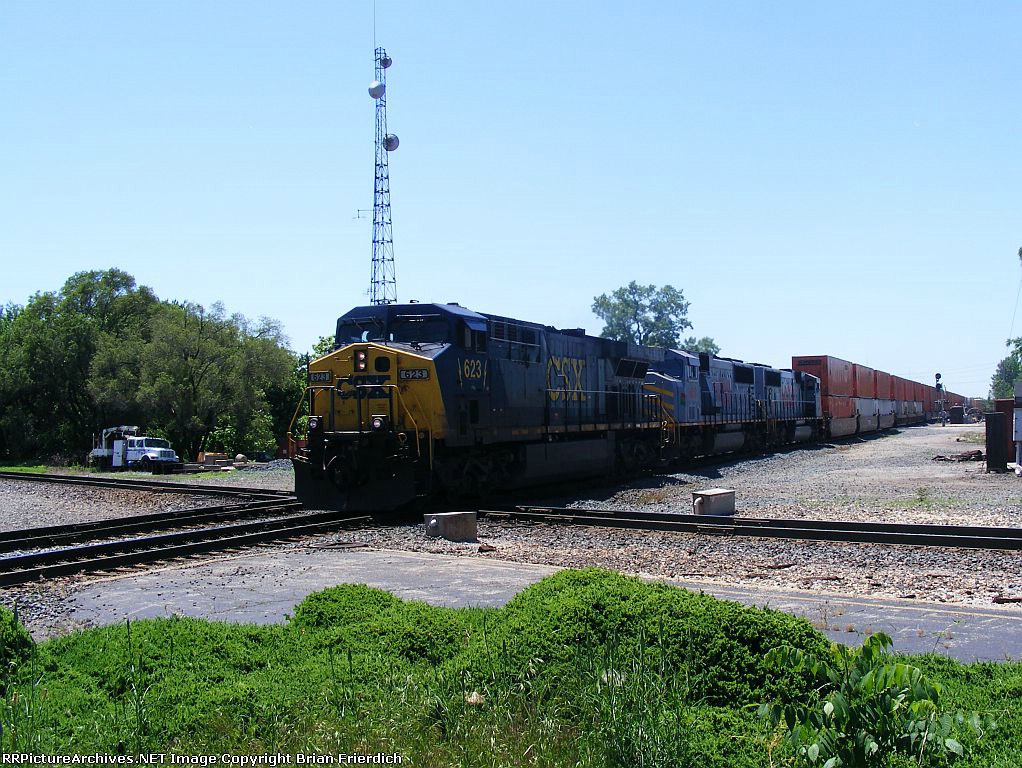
<point x="940" y="400"/>
<point x="383" y="288"/>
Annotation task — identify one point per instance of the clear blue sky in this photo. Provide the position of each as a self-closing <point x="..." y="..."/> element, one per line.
<point x="817" y="177"/>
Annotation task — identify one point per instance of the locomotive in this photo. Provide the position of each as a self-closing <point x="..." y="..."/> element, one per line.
<point x="419" y="401"/>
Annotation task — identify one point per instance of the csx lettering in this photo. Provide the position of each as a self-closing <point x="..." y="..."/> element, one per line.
<point x="565" y="378"/>
<point x="472" y="369"/>
<point x="362" y="387"/>
<point x="363" y="393"/>
<point x="355" y="381"/>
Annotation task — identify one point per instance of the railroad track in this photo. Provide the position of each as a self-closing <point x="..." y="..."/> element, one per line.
<point x="147" y="485"/>
<point x="61" y="535"/>
<point x="107" y="555"/>
<point x="920" y="535"/>
<point x="48" y="552"/>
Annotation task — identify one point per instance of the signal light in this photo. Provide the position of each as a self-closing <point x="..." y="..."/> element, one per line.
<point x="361" y="360"/>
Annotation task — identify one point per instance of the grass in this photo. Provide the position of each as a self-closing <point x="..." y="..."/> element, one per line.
<point x="35" y="469"/>
<point x="976" y="438"/>
<point x="585" y="668"/>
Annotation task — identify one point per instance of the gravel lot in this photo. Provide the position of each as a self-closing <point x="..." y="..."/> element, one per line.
<point x="888" y="478"/>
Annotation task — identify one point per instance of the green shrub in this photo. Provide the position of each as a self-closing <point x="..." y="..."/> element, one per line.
<point x="872" y="708"/>
<point x="358" y="618"/>
<point x="343" y="605"/>
<point x="15" y="642"/>
<point x="718" y="645"/>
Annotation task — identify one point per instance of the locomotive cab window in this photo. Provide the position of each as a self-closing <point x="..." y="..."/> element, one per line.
<point x="421" y="329"/>
<point x="472" y="334"/>
<point x="353" y="330"/>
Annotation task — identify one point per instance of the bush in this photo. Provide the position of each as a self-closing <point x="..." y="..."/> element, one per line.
<point x="356" y="617"/>
<point x="15" y="642"/>
<point x="718" y="645"/>
<point x="343" y="605"/>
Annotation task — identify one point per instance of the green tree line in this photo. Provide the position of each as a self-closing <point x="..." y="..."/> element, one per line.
<point x="104" y="351"/>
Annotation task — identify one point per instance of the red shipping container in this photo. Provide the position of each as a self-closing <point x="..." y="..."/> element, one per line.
<point x="885" y="386"/>
<point x="835" y="374"/>
<point x="863" y="381"/>
<point x="917" y="392"/>
<point x="900" y="388"/>
<point x="839" y="407"/>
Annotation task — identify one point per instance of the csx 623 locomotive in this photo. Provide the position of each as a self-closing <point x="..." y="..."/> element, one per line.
<point x="422" y="400"/>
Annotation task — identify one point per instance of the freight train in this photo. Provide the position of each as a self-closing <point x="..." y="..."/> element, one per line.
<point x="420" y="401"/>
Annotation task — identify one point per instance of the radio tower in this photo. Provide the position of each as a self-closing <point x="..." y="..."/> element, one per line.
<point x="383" y="289"/>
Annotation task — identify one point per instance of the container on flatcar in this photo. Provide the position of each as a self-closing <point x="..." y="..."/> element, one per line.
<point x="918" y="392"/>
<point x="868" y="413"/>
<point x="884" y="386"/>
<point x="863" y="381"/>
<point x="835" y="374"/>
<point x="887" y="413"/>
<point x="841" y="412"/>
<point x="900" y="387"/>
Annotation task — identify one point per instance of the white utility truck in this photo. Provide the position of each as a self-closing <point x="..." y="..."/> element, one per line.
<point x="123" y="448"/>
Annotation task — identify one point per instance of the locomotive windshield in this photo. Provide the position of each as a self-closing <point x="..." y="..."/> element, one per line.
<point x="410" y="329"/>
<point x="424" y="329"/>
<point x="359" y="329"/>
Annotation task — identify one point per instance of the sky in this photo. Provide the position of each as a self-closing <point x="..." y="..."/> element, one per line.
<point x="818" y="178"/>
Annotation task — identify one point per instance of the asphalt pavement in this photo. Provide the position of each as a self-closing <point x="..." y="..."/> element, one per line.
<point x="263" y="587"/>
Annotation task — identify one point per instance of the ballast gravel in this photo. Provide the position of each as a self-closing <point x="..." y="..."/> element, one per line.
<point x="34" y="504"/>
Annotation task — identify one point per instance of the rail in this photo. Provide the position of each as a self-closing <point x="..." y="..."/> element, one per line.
<point x="146" y="485"/>
<point x="103" y="556"/>
<point x="912" y="534"/>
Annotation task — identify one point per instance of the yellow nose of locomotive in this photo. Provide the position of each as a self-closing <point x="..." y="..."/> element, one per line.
<point x="366" y="388"/>
<point x="375" y="414"/>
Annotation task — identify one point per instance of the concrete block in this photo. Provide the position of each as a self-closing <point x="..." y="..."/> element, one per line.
<point x="453" y="526"/>
<point x="713" y="501"/>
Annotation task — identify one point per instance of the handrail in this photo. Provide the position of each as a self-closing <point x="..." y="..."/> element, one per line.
<point x="292" y="444"/>
<point x="404" y="410"/>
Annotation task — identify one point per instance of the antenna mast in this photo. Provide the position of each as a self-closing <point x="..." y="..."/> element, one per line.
<point x="383" y="289"/>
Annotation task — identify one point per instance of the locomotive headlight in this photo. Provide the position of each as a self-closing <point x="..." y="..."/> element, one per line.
<point x="378" y="423"/>
<point x="361" y="360"/>
<point x="313" y="423"/>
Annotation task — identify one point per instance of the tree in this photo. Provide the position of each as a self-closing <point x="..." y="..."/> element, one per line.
<point x="46" y="357"/>
<point x="643" y="314"/>
<point x="705" y="344"/>
<point x="1008" y="371"/>
<point x="323" y="347"/>
<point x="647" y="315"/>
<point x="1002" y="383"/>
